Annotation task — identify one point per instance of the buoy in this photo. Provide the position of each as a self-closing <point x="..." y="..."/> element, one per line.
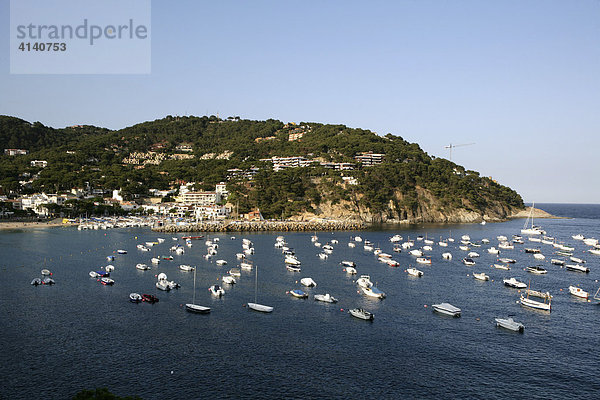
<point x="425" y="305"/>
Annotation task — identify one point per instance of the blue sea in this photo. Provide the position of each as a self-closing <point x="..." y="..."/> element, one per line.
<point x="79" y="334"/>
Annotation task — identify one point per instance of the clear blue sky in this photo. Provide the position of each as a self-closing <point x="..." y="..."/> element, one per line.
<point x="521" y="79"/>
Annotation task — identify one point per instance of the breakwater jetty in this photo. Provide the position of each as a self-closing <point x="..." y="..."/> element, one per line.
<point x="262" y="226"/>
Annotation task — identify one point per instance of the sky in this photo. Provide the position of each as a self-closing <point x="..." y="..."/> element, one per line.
<point x="520" y="79"/>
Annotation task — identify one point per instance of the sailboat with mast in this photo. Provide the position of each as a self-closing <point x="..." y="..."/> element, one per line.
<point x="193" y="307"/>
<point x="545" y="304"/>
<point x="529" y="228"/>
<point x="255" y="306"/>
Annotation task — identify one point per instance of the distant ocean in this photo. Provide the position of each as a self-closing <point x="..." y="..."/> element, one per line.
<point x="569" y="210"/>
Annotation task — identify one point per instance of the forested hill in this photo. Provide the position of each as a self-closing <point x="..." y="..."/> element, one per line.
<point x="407" y="185"/>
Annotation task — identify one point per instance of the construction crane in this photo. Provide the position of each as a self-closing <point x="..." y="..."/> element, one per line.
<point x="451" y="146"/>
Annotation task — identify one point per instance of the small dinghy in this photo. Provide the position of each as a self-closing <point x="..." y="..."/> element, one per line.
<point x="298" y="293"/>
<point x="142" y="267"/>
<point x="107" y="281"/>
<point x="36" y="282"/>
<point x="230" y="280"/>
<point x="135" y="297"/>
<point x="149" y="298"/>
<point x="46" y="272"/>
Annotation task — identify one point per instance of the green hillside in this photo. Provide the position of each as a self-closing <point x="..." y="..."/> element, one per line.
<point x="407" y="182"/>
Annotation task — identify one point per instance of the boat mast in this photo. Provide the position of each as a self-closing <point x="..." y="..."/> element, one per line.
<point x="255" y="282"/>
<point x="194" y="295"/>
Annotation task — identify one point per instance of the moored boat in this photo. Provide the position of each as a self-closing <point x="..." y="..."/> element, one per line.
<point x="510" y="324"/>
<point x="577" y="268"/>
<point x="578" y="292"/>
<point x="514" y="283"/>
<point x="414" y="272"/>
<point x="361" y="314"/>
<point x="447" y="309"/>
<point x="481" y="276"/>
<point x="298" y="293"/>
<point x="135" y="297"/>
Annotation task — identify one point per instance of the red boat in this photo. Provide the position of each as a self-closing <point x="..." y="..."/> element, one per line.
<point x="149" y="298"/>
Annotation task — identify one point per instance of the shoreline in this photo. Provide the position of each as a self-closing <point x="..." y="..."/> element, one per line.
<point x="11" y="225"/>
<point x="264" y="226"/>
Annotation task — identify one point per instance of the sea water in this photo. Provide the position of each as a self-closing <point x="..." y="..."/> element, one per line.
<point x="79" y="334"/>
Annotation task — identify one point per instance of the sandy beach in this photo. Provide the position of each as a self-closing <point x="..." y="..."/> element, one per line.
<point x="7" y="225"/>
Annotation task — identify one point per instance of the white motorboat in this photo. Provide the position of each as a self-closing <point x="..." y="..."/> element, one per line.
<point x="464" y="248"/>
<point x="292" y="260"/>
<point x="501" y="238"/>
<point x="348" y="263"/>
<point x="108" y="268"/>
<point x="465" y="237"/>
<point x="424" y="260"/>
<point x="427" y="248"/>
<point x="142" y="267"/>
<point x="121" y="251"/>
<point x="577" y="268"/>
<point x="216" y="290"/>
<point x="514" y="283"/>
<point x="447" y="256"/>
<point x="221" y="262"/>
<point x="327" y="298"/>
<point x="323" y="256"/>
<point x="46" y="272"/>
<point x="185" y="267"/>
<point x="361" y="314"/>
<point x="578" y="237"/>
<point x="414" y="272"/>
<point x="577" y="260"/>
<point x="468" y="261"/>
<point x="473" y="254"/>
<point x="396" y="238"/>
<point x="578" y="292"/>
<point x="590" y="241"/>
<point x="350" y="270"/>
<point x="155" y="260"/>
<point x="447" y="309"/>
<point x="493" y="250"/>
<point x="239" y="256"/>
<point x="481" y="276"/>
<point x="539" y="256"/>
<point x="502" y="266"/>
<point x="557" y="262"/>
<point x="595" y="252"/>
<point x="293" y="268"/>
<point x="351" y="244"/>
<point x="510" y="324"/>
<point x="309" y="282"/>
<point x="228" y="279"/>
<point x="416" y="253"/>
<point x="357" y="239"/>
<point x="538" y="270"/>
<point x="505" y="246"/>
<point x="93" y="274"/>
<point x="373" y="292"/>
<point x="247" y="265"/>
<point x="507" y="260"/>
<point x="234" y="272"/>
<point x="105" y="280"/>
<point x="364" y="281"/>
